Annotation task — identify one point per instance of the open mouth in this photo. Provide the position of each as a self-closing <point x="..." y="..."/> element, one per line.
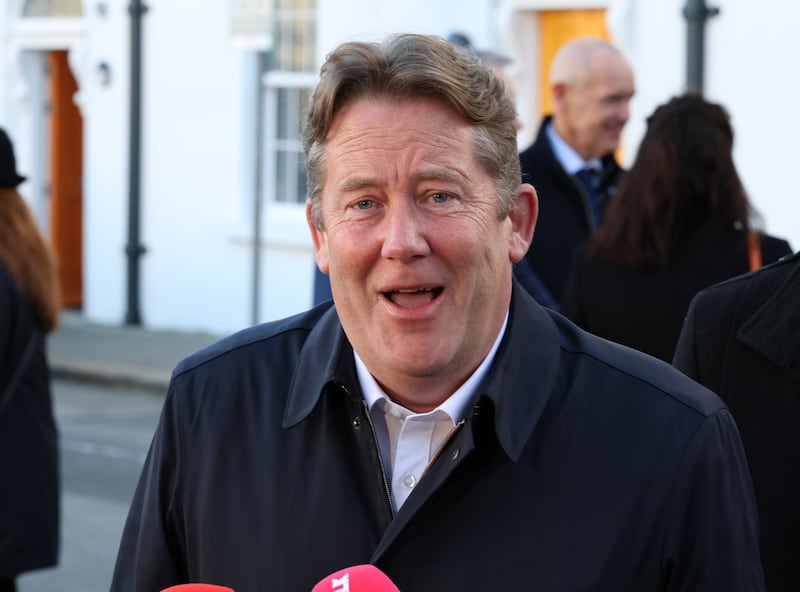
<point x="409" y="298"/>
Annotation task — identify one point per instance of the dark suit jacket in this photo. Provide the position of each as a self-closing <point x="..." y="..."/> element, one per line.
<point x="645" y="309"/>
<point x="565" y="214"/>
<point x="742" y="340"/>
<point x="581" y="465"/>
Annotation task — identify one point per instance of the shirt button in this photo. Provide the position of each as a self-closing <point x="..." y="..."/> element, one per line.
<point x="409" y="481"/>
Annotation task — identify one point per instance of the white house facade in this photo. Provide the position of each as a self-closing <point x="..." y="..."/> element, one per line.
<point x="214" y="140"/>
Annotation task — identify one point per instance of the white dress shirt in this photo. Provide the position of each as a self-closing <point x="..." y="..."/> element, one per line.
<point x="408" y="441"/>
<point x="570" y="160"/>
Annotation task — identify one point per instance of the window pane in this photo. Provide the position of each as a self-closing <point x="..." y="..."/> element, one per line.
<point x="43" y="8"/>
<point x="291" y="107"/>
<point x="294" y="55"/>
<point x="290" y="177"/>
<point x="295" y="32"/>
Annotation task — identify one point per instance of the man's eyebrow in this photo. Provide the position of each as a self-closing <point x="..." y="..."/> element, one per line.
<point x="358" y="183"/>
<point x="441" y="174"/>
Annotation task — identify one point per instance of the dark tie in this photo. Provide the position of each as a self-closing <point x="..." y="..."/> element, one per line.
<point x="590" y="179"/>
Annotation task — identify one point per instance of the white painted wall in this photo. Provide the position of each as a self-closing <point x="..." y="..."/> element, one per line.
<point x="342" y="20"/>
<point x="193" y="193"/>
<point x="752" y="69"/>
<point x="192" y="276"/>
<point x="105" y="182"/>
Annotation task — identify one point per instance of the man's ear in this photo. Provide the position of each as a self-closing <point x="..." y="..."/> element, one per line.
<point x="320" y="241"/>
<point x="558" y="91"/>
<point x="523" y="221"/>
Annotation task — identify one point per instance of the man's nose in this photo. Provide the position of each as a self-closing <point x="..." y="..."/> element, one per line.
<point x="404" y="234"/>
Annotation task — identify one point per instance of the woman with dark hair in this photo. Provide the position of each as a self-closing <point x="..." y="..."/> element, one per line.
<point x="680" y="222"/>
<point x="29" y="307"/>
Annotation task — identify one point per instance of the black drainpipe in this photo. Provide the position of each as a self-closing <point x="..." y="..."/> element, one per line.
<point x="134" y="249"/>
<point x="696" y="13"/>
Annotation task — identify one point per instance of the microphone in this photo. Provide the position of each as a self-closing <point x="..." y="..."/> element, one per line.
<point x="358" y="578"/>
<point x="197" y="588"/>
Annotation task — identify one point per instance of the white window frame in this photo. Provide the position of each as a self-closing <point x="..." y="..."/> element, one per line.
<point x="274" y="82"/>
<point x="285" y="220"/>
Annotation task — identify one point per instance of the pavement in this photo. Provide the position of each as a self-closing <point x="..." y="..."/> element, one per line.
<point x="119" y="354"/>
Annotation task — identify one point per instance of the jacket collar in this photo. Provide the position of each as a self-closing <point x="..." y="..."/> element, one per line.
<point x="542" y="150"/>
<point x="519" y="383"/>
<point x="524" y="372"/>
<point x="326" y="357"/>
<point x="774" y="329"/>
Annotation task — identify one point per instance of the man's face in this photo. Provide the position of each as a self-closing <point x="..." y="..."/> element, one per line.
<point x="420" y="265"/>
<point x="590" y="115"/>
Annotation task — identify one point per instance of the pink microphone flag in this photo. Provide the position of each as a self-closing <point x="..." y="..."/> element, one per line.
<point x="359" y="578"/>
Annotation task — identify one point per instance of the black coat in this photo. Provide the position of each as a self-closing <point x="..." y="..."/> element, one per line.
<point x="581" y="466"/>
<point x="645" y="309"/>
<point x="29" y="492"/>
<point x="742" y="339"/>
<point x="565" y="214"/>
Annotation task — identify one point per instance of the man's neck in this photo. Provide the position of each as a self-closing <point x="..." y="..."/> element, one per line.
<point x="429" y="394"/>
<point x="569" y="158"/>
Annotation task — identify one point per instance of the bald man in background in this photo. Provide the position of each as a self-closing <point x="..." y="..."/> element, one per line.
<point x="571" y="163"/>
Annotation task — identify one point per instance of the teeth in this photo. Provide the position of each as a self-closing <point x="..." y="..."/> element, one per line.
<point x="414" y="291"/>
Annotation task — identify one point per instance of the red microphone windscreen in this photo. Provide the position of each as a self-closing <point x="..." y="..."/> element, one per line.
<point x="359" y="578"/>
<point x="197" y="588"/>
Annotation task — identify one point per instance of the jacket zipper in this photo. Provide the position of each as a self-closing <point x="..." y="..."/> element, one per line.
<point x="386" y="489"/>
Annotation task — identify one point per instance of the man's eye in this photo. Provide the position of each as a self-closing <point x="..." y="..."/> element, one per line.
<point x="364" y="204"/>
<point x="440" y="197"/>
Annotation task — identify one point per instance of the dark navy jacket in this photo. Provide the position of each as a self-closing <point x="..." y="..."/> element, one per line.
<point x="582" y="465"/>
<point x="742" y="339"/>
<point x="565" y="214"/>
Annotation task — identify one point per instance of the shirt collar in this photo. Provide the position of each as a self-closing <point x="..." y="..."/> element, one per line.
<point x="455" y="405"/>
<point x="519" y="382"/>
<point x="566" y="155"/>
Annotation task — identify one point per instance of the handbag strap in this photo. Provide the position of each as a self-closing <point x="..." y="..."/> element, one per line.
<point x="754" y="250"/>
<point x="11" y="387"/>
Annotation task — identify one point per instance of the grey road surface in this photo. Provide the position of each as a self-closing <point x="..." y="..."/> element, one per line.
<point x="105" y="432"/>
